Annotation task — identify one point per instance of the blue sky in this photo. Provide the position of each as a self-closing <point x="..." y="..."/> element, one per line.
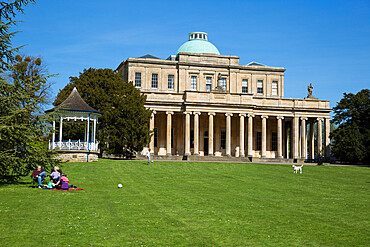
<point x="323" y="42"/>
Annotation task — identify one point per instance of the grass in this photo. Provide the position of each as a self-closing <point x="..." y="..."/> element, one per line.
<point x="191" y="204"/>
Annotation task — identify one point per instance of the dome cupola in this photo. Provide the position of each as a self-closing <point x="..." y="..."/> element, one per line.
<point x="198" y="43"/>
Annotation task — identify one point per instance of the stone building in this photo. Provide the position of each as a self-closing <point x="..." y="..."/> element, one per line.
<point x="207" y="104"/>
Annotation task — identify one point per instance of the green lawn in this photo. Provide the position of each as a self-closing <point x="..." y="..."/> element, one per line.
<point x="191" y="204"/>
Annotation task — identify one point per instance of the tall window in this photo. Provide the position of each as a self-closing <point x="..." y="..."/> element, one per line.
<point x="208" y="84"/>
<point x="191" y="138"/>
<point x="259" y="140"/>
<point x="154" y="80"/>
<point x="137" y="79"/>
<point x="274" y="141"/>
<point x="193" y="83"/>
<point x="170" y="81"/>
<point x="223" y="83"/>
<point x="155" y="138"/>
<point x="274" y="88"/>
<point x="259" y="86"/>
<point x="244" y="86"/>
<point x="223" y="139"/>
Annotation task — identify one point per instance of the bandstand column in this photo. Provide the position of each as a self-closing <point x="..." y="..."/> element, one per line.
<point x="241" y="137"/>
<point x="279" y="137"/>
<point x="53" y="144"/>
<point x="319" y="138"/>
<point x="151" y="127"/>
<point x="228" y="133"/>
<point x="210" y="133"/>
<point x="187" y="133"/>
<point x="250" y="135"/>
<point x="327" y="138"/>
<point x="295" y="137"/>
<point x="263" y="151"/>
<point x="60" y="132"/>
<point x="303" y="139"/>
<point x="168" y="136"/>
<point x="88" y="133"/>
<point x="312" y="140"/>
<point x="196" y="133"/>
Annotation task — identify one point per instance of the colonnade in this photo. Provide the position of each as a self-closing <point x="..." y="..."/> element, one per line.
<point x="297" y="141"/>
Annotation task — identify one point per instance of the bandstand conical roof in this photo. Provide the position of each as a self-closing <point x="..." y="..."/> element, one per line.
<point x="74" y="102"/>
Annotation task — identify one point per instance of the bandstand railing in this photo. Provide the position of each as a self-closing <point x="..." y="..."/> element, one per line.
<point x="74" y="145"/>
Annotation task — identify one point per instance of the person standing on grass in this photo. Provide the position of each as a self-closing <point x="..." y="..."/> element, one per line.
<point x="38" y="174"/>
<point x="148" y="155"/>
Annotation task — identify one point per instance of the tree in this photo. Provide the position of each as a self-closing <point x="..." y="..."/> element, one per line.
<point x="8" y="11"/>
<point x="123" y="128"/>
<point x="23" y="92"/>
<point x="351" y="140"/>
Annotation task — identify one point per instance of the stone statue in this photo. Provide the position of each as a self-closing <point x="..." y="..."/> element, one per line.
<point x="309" y="89"/>
<point x="219" y="88"/>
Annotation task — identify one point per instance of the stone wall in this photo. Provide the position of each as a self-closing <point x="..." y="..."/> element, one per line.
<point x="76" y="156"/>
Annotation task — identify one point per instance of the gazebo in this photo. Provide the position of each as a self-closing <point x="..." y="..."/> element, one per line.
<point x="74" y="108"/>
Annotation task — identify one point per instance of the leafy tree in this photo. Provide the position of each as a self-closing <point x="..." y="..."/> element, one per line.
<point x="23" y="91"/>
<point x="8" y="11"/>
<point x="351" y="140"/>
<point x="123" y="128"/>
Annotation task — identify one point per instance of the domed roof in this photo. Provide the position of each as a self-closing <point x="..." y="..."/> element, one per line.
<point x="198" y="43"/>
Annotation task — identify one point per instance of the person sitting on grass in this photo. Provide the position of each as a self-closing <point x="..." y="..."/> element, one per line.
<point x="38" y="175"/>
<point x="55" y="175"/>
<point x="63" y="183"/>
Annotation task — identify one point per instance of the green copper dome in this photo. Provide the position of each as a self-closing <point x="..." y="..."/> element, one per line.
<point x="198" y="43"/>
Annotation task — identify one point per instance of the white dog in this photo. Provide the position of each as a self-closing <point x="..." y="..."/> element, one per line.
<point x="297" y="169"/>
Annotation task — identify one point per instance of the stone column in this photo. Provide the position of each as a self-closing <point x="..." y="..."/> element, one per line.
<point x="168" y="136"/>
<point x="151" y="127"/>
<point x="187" y="133"/>
<point x="295" y="137"/>
<point x="279" y="137"/>
<point x="263" y="151"/>
<point x="210" y="133"/>
<point x="312" y="140"/>
<point x="196" y="133"/>
<point x="327" y="138"/>
<point x="241" y="135"/>
<point x="303" y="139"/>
<point x="250" y="135"/>
<point x="228" y="133"/>
<point x="319" y="137"/>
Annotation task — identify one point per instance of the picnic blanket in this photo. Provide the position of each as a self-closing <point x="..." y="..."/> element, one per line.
<point x="70" y="189"/>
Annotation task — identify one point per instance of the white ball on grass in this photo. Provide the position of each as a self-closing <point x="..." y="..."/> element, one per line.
<point x="120" y="185"/>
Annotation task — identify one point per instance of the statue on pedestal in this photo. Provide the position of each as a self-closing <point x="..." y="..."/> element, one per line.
<point x="309" y="89"/>
<point x="219" y="88"/>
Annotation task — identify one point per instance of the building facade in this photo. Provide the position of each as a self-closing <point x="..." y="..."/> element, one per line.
<point x="207" y="104"/>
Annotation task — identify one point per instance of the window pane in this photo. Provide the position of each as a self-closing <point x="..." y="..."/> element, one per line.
<point x="259" y="140"/>
<point x="137" y="79"/>
<point x="274" y="141"/>
<point x="223" y="139"/>
<point x="244" y="86"/>
<point x="223" y="83"/>
<point x="259" y="86"/>
<point x="154" y="80"/>
<point x="193" y="83"/>
<point x="274" y="88"/>
<point x="171" y="79"/>
<point x="155" y="137"/>
<point x="191" y="138"/>
<point x="208" y="84"/>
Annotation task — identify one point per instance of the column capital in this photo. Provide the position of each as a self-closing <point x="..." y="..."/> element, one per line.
<point x="187" y="112"/>
<point x="169" y="112"/>
<point x="279" y="117"/>
<point x="211" y="113"/>
<point x="304" y="118"/>
<point x="250" y="115"/>
<point x="154" y="112"/>
<point x="320" y="119"/>
<point x="228" y="114"/>
<point x="265" y="116"/>
<point x="242" y="115"/>
<point x="196" y="113"/>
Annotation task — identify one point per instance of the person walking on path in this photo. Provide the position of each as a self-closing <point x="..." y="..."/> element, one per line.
<point x="148" y="155"/>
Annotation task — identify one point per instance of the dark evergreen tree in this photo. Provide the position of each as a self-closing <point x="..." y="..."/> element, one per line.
<point x="123" y="128"/>
<point x="23" y="92"/>
<point x="351" y="140"/>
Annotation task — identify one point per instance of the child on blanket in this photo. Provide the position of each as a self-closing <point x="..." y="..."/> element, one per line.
<point x="62" y="183"/>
